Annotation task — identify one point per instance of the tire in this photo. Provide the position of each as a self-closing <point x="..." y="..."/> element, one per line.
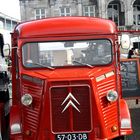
<point x="4" y="96"/>
<point x="125" y="138"/>
<point x="2" y="121"/>
<point x="4" y="124"/>
<point x="120" y="138"/>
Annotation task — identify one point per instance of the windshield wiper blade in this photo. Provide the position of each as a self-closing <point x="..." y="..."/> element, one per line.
<point x="49" y="67"/>
<point x="84" y="64"/>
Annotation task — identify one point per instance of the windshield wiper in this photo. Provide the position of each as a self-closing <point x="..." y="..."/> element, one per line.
<point x="49" y="67"/>
<point x="84" y="64"/>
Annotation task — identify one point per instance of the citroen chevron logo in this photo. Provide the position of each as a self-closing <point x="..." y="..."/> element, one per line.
<point x="70" y="97"/>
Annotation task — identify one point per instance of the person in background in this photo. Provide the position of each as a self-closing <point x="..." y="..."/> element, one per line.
<point x="131" y="53"/>
<point x="137" y="52"/>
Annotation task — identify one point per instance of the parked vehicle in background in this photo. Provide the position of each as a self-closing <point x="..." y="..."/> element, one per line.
<point x="66" y="82"/>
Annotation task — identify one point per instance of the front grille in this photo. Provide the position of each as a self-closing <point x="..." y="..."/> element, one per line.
<point x="70" y="108"/>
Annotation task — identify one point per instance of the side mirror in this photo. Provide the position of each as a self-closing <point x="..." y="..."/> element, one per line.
<point x="125" y="41"/>
<point x="6" y="50"/>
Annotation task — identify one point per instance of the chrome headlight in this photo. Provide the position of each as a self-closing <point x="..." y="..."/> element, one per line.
<point x="26" y="99"/>
<point x="112" y="96"/>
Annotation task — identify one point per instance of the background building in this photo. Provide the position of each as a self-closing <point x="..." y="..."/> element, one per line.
<point x="125" y="13"/>
<point x="7" y="24"/>
<point x="9" y="17"/>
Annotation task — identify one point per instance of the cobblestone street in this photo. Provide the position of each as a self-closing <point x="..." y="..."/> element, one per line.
<point x="135" y="116"/>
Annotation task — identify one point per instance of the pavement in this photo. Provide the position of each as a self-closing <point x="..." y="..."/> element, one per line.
<point x="135" y="117"/>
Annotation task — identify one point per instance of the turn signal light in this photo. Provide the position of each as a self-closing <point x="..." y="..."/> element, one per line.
<point x="114" y="128"/>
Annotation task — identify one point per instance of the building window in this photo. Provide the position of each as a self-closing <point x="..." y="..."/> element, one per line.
<point x="113" y="13"/>
<point x="136" y="14"/>
<point x="89" y="10"/>
<point x="2" y="23"/>
<point x="8" y="24"/>
<point x="65" y="11"/>
<point x="40" y="13"/>
<point x="14" y="23"/>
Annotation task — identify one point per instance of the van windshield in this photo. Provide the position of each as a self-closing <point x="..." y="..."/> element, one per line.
<point x="67" y="53"/>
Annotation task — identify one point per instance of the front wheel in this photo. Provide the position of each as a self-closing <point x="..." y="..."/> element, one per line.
<point x="4" y="124"/>
<point x="2" y="121"/>
<point x="125" y="138"/>
<point x="120" y="138"/>
<point x="4" y="96"/>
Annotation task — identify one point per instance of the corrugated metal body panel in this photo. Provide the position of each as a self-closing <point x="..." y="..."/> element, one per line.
<point x="109" y="110"/>
<point x="31" y="114"/>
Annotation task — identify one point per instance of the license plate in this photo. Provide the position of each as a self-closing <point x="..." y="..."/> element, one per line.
<point x="72" y="136"/>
